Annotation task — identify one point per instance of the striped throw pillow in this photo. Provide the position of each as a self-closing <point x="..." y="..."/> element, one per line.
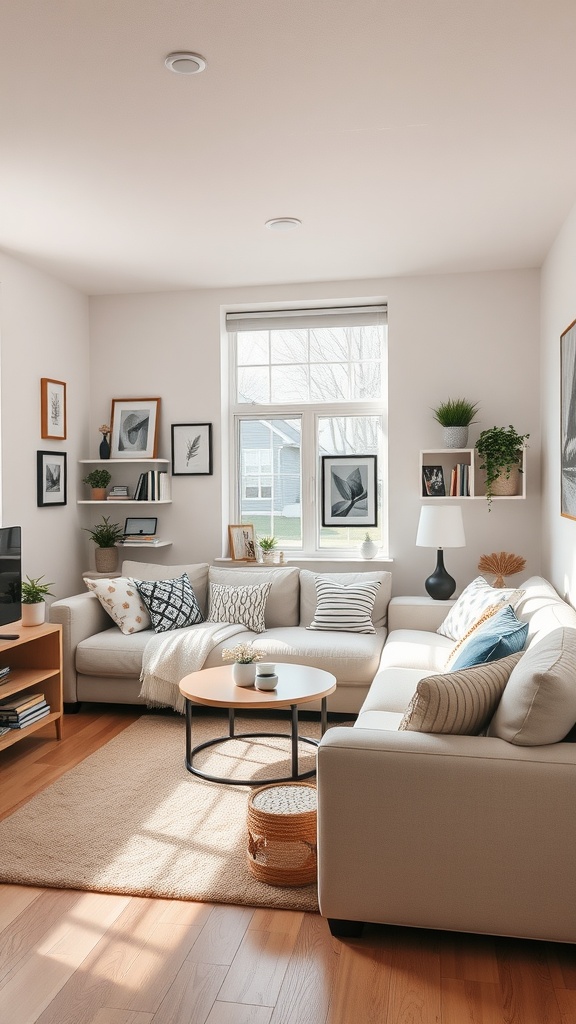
<point x="343" y="607"/>
<point x="459" y="703"/>
<point x="243" y="605"/>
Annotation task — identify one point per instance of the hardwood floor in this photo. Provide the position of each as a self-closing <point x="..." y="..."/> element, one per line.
<point x="88" y="958"/>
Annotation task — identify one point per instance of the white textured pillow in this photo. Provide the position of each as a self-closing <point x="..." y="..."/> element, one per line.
<point x="244" y="605"/>
<point x="539" y="703"/>
<point x="474" y="600"/>
<point x="459" y="703"/>
<point x="120" y="598"/>
<point x="348" y="608"/>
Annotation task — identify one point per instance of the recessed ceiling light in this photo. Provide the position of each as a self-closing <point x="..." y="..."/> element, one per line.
<point x="283" y="223"/>
<point x="183" y="63"/>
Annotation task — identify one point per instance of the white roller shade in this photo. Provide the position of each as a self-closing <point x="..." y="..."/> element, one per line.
<point x="300" y="319"/>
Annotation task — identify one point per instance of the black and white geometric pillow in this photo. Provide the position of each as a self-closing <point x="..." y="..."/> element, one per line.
<point x="242" y="605"/>
<point x="171" y="604"/>
<point x="348" y="608"/>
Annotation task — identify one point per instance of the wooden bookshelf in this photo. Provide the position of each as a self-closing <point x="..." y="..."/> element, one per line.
<point x="35" y="661"/>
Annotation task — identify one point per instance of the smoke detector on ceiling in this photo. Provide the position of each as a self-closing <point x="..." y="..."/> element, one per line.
<point x="184" y="63"/>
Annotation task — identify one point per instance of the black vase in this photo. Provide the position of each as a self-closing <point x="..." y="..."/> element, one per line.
<point x="104" y="448"/>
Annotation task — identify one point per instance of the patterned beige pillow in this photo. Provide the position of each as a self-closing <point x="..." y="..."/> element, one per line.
<point x="244" y="605"/>
<point x="123" y="603"/>
<point x="473" y="601"/>
<point x="459" y="703"/>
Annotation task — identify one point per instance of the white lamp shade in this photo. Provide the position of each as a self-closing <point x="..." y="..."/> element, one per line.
<point x="440" y="526"/>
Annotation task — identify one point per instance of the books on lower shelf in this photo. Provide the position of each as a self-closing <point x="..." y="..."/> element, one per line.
<point x="154" y="485"/>
<point x="136" y="542"/>
<point x="460" y="481"/>
<point x="18" y="712"/>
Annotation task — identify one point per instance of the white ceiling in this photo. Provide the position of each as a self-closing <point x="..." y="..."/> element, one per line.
<point x="409" y="136"/>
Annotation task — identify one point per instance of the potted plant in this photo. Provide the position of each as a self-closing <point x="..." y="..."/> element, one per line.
<point x="34" y="593"/>
<point x="267" y="545"/>
<point x="98" y="480"/>
<point x="500" y="449"/>
<point x="368" y="548"/>
<point x="244" y="657"/>
<point x="455" y="415"/>
<point x="105" y="535"/>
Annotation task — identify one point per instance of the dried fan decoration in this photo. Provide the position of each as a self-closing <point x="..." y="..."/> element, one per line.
<point x="502" y="564"/>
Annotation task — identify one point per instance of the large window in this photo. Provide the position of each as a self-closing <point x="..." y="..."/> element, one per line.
<point x="305" y="383"/>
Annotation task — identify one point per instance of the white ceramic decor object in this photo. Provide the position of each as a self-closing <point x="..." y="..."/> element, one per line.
<point x="243" y="673"/>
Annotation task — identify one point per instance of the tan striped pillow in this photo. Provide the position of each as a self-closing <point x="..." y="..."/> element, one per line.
<point x="459" y="703"/>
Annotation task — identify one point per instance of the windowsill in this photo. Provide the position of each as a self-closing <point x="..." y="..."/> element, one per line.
<point x="307" y="560"/>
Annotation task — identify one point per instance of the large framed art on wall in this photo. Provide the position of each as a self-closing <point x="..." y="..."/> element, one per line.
<point x="568" y="422"/>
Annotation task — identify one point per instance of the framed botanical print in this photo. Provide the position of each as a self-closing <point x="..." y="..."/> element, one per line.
<point x="134" y="428"/>
<point x="52" y="409"/>
<point x="50" y="478"/>
<point x="191" y="449"/>
<point x="349" y="490"/>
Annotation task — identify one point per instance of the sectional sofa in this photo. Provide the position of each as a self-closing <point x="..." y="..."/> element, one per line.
<point x="471" y="833"/>
<point x="101" y="663"/>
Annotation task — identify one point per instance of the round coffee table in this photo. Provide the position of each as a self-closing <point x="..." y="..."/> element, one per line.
<point x="297" y="684"/>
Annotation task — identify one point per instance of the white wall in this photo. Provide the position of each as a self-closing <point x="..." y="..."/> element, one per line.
<point x="558" y="311"/>
<point x="469" y="335"/>
<point x="43" y="333"/>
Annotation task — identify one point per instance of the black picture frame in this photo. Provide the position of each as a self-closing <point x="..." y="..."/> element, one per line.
<point x="349" y="490"/>
<point x="51" y="479"/>
<point x="433" y="483"/>
<point x="191" y="449"/>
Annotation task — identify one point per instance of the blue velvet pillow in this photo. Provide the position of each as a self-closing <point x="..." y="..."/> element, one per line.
<point x="503" y="634"/>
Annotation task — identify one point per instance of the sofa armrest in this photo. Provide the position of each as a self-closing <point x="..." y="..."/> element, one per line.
<point x="452" y="832"/>
<point x="417" y="613"/>
<point x="81" y="616"/>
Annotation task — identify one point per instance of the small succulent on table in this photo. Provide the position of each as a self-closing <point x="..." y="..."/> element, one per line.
<point x="105" y="534"/>
<point x="34" y="591"/>
<point x="244" y="654"/>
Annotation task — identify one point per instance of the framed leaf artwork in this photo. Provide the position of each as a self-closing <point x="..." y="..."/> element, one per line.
<point x="191" y="449"/>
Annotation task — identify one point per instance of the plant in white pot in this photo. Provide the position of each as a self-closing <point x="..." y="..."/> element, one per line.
<point x="455" y="415"/>
<point x="105" y="535"/>
<point x="34" y="593"/>
<point x="244" y="658"/>
<point x="267" y="545"/>
<point x="98" y="480"/>
<point x="368" y="547"/>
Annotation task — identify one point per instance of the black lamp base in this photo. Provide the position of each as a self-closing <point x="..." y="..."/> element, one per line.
<point x="440" y="585"/>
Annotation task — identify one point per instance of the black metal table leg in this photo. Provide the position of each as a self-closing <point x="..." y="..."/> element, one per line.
<point x="323" y="716"/>
<point x="294" y="733"/>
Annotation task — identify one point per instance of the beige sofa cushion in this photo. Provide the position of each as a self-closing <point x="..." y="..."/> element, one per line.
<point x="308" y="596"/>
<point x="538" y="705"/>
<point x="415" y="648"/>
<point x="283" y="603"/>
<point x="543" y="609"/>
<point x="119" y="596"/>
<point x="459" y="703"/>
<point x="197" y="574"/>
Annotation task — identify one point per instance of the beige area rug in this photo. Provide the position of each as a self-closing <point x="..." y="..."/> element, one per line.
<point x="131" y="819"/>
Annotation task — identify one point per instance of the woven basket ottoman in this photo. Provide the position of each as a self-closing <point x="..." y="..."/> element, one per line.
<point x="282" y="833"/>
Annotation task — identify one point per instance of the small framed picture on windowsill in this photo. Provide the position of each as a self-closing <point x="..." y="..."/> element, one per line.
<point x="242" y="542"/>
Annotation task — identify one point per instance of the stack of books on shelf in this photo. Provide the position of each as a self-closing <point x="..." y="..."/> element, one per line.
<point x="153" y="485"/>
<point x="21" y="710"/>
<point x="139" y="539"/>
<point x="119" y="493"/>
<point x="460" y="481"/>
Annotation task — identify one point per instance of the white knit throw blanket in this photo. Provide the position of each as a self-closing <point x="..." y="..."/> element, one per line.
<point x="170" y="656"/>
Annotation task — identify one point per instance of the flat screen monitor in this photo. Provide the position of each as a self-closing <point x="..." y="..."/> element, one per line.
<point x="10" y="574"/>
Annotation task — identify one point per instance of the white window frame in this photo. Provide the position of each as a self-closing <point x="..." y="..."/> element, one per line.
<point x="311" y="481"/>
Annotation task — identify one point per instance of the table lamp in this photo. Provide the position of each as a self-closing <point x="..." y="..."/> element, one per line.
<point x="440" y="527"/>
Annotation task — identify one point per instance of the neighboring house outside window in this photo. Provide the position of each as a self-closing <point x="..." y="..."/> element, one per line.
<point x="305" y="383"/>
